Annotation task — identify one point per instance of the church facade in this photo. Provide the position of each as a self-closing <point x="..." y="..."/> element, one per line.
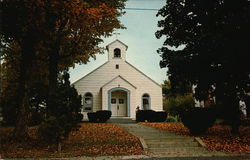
<point x="118" y="86"/>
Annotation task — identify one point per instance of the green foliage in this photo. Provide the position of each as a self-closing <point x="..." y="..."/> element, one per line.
<point x="99" y="116"/>
<point x="198" y="120"/>
<point x="207" y="45"/>
<point x="150" y="116"/>
<point x="173" y="105"/>
<point x="173" y="118"/>
<point x="52" y="36"/>
<point x="202" y="39"/>
<point x="9" y="111"/>
<point x="63" y="117"/>
<point x="170" y="89"/>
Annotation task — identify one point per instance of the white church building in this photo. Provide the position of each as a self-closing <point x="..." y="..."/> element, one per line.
<point x="118" y="86"/>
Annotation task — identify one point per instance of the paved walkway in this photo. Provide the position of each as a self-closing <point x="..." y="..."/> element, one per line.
<point x="159" y="143"/>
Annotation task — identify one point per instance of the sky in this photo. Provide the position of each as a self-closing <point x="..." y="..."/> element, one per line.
<point x="139" y="36"/>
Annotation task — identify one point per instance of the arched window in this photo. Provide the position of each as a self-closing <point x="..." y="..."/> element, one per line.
<point x="88" y="102"/>
<point x="145" y="101"/>
<point x="117" y="53"/>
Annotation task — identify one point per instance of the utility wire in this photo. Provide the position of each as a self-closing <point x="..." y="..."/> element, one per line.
<point x="142" y="9"/>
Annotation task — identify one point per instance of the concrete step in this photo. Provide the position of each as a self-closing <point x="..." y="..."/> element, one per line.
<point x="179" y="150"/>
<point x="169" y="139"/>
<point x="171" y="144"/>
<point x="152" y="132"/>
<point x="183" y="154"/>
<point x="160" y="136"/>
<point x="121" y="120"/>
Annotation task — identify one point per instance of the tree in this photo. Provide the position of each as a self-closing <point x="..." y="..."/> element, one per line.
<point x="74" y="30"/>
<point x="170" y="90"/>
<point x="212" y="41"/>
<point x="26" y="33"/>
<point x="59" y="33"/>
<point x="64" y="116"/>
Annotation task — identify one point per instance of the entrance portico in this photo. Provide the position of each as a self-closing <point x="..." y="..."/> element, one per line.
<point x="118" y="96"/>
<point x="119" y="102"/>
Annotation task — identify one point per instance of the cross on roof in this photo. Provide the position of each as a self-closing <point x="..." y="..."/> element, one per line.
<point x="116" y="35"/>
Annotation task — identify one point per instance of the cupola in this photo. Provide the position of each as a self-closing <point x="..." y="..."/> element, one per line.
<point x="117" y="50"/>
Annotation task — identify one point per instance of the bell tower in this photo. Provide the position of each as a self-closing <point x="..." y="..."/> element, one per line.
<point x="116" y="50"/>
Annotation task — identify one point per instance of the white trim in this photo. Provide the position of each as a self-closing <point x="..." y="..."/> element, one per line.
<point x="116" y="41"/>
<point x="143" y="73"/>
<point x="90" y="73"/>
<point x="121" y="78"/>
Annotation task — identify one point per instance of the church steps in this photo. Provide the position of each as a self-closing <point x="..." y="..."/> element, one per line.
<point x="157" y="142"/>
<point x="178" y="149"/>
<point x="172" y="144"/>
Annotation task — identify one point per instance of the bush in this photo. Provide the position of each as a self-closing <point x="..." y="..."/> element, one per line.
<point x="36" y="116"/>
<point x="9" y="111"/>
<point x="99" y="116"/>
<point x="79" y="117"/>
<point x="173" y="118"/>
<point x="103" y="115"/>
<point x="174" y="105"/>
<point x="62" y="116"/>
<point x="198" y="120"/>
<point x="245" y="122"/>
<point x="160" y="116"/>
<point x="92" y="116"/>
<point x="50" y="130"/>
<point x="144" y="115"/>
<point x="150" y="116"/>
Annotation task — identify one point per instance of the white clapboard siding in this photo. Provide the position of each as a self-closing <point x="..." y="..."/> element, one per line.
<point x="106" y="77"/>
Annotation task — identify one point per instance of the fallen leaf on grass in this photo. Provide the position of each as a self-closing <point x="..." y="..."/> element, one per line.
<point x="91" y="139"/>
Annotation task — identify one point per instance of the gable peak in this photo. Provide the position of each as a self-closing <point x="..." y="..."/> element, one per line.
<point x="118" y="41"/>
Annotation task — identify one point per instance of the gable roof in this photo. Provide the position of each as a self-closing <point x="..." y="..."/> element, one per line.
<point x="143" y="74"/>
<point x="119" y="76"/>
<point x="90" y="73"/>
<point x="116" y="41"/>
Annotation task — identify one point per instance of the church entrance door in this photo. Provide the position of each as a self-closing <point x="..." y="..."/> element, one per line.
<point x="119" y="103"/>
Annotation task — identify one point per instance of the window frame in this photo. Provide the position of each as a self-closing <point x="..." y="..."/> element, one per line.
<point x="117" y="53"/>
<point x="86" y="105"/>
<point x="117" y="66"/>
<point x="147" y="97"/>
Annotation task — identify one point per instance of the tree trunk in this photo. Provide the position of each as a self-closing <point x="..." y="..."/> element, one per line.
<point x="247" y="101"/>
<point x="53" y="73"/>
<point x="20" y="132"/>
<point x="59" y="147"/>
<point x="227" y="97"/>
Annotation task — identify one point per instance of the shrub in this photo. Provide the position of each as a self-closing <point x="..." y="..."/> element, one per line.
<point x="50" y="130"/>
<point x="171" y="118"/>
<point x="92" y="116"/>
<point x="62" y="116"/>
<point x="99" y="116"/>
<point x="198" y="120"/>
<point x="160" y="116"/>
<point x="144" y="115"/>
<point x="79" y="117"/>
<point x="103" y="115"/>
<point x="36" y="116"/>
<point x="150" y="116"/>
<point x="8" y="111"/>
<point x="174" y="105"/>
<point x="245" y="122"/>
